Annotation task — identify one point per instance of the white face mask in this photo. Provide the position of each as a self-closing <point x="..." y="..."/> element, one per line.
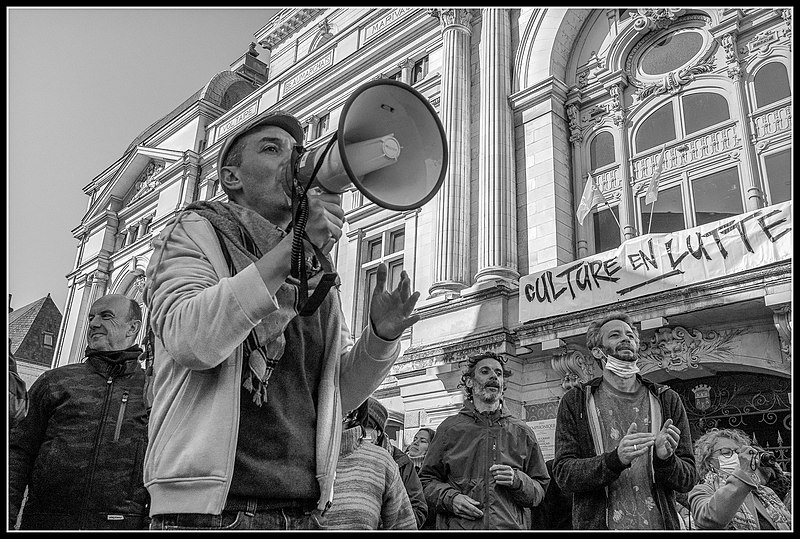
<point x="623" y="369"/>
<point x="728" y="464"/>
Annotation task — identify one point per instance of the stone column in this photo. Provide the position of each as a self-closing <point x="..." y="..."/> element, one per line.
<point x="497" y="208"/>
<point x="451" y="240"/>
<point x="754" y="197"/>
<point x="627" y="216"/>
<point x="576" y="139"/>
<point x="405" y="70"/>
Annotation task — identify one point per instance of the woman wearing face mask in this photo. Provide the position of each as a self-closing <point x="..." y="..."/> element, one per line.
<point x="416" y="453"/>
<point x="419" y="446"/>
<point x="732" y="493"/>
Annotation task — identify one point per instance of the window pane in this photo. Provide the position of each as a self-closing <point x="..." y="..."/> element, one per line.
<point x="671" y="53"/>
<point x="396" y="241"/>
<point x="717" y="196"/>
<point x="322" y="125"/>
<point x="606" y="230"/>
<point x="394" y="274"/>
<point x="703" y="110"/>
<point x="667" y="214"/>
<point x="601" y="151"/>
<point x="369" y="285"/>
<point x="374" y="250"/>
<point x="420" y="70"/>
<point x="657" y="129"/>
<point x="771" y="84"/>
<point x="779" y="174"/>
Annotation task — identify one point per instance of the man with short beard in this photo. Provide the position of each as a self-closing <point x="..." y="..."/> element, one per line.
<point x="484" y="469"/>
<point x="623" y="446"/>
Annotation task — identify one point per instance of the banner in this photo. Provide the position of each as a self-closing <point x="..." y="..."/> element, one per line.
<point x="657" y="262"/>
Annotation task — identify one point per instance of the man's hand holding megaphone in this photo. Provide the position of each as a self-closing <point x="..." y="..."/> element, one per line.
<point x="325" y="219"/>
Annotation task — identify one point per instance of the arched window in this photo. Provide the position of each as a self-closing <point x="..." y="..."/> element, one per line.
<point x="601" y="150"/>
<point x="771" y="84"/>
<point x="704" y="109"/>
<point x="657" y="129"/>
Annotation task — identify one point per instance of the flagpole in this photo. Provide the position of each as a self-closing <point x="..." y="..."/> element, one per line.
<point x="614" y="216"/>
<point x="656" y="173"/>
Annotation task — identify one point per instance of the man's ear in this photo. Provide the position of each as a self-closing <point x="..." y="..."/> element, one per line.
<point x="229" y="178"/>
<point x="468" y="382"/>
<point x="597" y="353"/>
<point x="135" y="326"/>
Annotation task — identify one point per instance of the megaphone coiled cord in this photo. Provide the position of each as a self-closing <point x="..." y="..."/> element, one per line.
<point x="299" y="220"/>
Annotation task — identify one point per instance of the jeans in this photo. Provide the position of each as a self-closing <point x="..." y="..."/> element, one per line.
<point x="269" y="519"/>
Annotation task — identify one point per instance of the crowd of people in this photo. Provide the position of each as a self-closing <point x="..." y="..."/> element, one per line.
<point x="260" y="415"/>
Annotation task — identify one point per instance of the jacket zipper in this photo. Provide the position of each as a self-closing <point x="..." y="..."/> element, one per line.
<point x="121" y="415"/>
<point x="96" y="451"/>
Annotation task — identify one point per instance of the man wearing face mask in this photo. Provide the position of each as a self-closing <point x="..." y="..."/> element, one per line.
<point x="623" y="446"/>
<point x="484" y="469"/>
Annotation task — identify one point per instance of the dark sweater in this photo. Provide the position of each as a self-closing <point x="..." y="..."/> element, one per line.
<point x="580" y="471"/>
<point x="276" y="450"/>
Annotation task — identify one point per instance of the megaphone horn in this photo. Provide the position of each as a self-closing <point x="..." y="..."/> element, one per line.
<point x="390" y="144"/>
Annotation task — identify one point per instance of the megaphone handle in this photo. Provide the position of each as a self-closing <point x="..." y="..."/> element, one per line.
<point x="308" y="305"/>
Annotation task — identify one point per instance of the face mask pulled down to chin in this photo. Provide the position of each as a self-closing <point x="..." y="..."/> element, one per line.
<point x="623" y="369"/>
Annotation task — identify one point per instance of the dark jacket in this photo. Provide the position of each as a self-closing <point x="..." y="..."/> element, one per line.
<point x="583" y="471"/>
<point x="17" y="392"/>
<point x="555" y="511"/>
<point x="80" y="449"/>
<point x="458" y="461"/>
<point x="413" y="486"/>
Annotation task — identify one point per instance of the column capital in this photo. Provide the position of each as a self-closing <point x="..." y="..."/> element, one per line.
<point x="453" y="18"/>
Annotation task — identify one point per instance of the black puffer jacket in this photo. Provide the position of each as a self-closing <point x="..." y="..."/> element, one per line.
<point x="80" y="449"/>
<point x="466" y="445"/>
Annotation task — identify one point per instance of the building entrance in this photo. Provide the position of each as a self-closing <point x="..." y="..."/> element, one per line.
<point x="758" y="404"/>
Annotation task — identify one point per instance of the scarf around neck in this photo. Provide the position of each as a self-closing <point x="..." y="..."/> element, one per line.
<point x="247" y="236"/>
<point x="746" y="520"/>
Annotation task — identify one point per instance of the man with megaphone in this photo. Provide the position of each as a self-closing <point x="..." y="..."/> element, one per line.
<point x="247" y="395"/>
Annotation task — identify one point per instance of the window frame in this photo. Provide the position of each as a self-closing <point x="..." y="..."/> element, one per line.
<point x="368" y="267"/>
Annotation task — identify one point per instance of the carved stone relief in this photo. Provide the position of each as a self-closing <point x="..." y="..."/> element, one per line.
<point x="647" y="19"/>
<point x="574" y="366"/>
<point x="728" y="42"/>
<point x="678" y="349"/>
<point x="672" y="83"/>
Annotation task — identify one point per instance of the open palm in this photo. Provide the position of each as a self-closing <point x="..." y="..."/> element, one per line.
<point x="390" y="312"/>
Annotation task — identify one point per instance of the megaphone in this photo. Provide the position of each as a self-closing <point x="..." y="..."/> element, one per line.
<point x="389" y="144"/>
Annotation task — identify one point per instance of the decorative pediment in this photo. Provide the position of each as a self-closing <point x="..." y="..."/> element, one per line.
<point x="139" y="171"/>
<point x="677" y="349"/>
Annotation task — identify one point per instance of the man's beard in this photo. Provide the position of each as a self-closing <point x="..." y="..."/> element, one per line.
<point x="487" y="395"/>
<point x="631" y="356"/>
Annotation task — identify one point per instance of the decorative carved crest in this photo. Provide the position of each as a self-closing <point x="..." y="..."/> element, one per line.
<point x="616" y="110"/>
<point x="147" y="180"/>
<point x="702" y="397"/>
<point x="677" y="349"/>
<point x="452" y="17"/>
<point x="672" y="83"/>
<point x="728" y="42"/>
<point x="575" y="131"/>
<point x="574" y="366"/>
<point x="647" y="19"/>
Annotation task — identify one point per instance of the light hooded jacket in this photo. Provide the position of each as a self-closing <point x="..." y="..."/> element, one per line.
<point x="584" y="468"/>
<point x="466" y="445"/>
<point x="200" y="316"/>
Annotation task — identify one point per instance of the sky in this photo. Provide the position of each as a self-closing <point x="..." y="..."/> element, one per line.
<point x="81" y="84"/>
